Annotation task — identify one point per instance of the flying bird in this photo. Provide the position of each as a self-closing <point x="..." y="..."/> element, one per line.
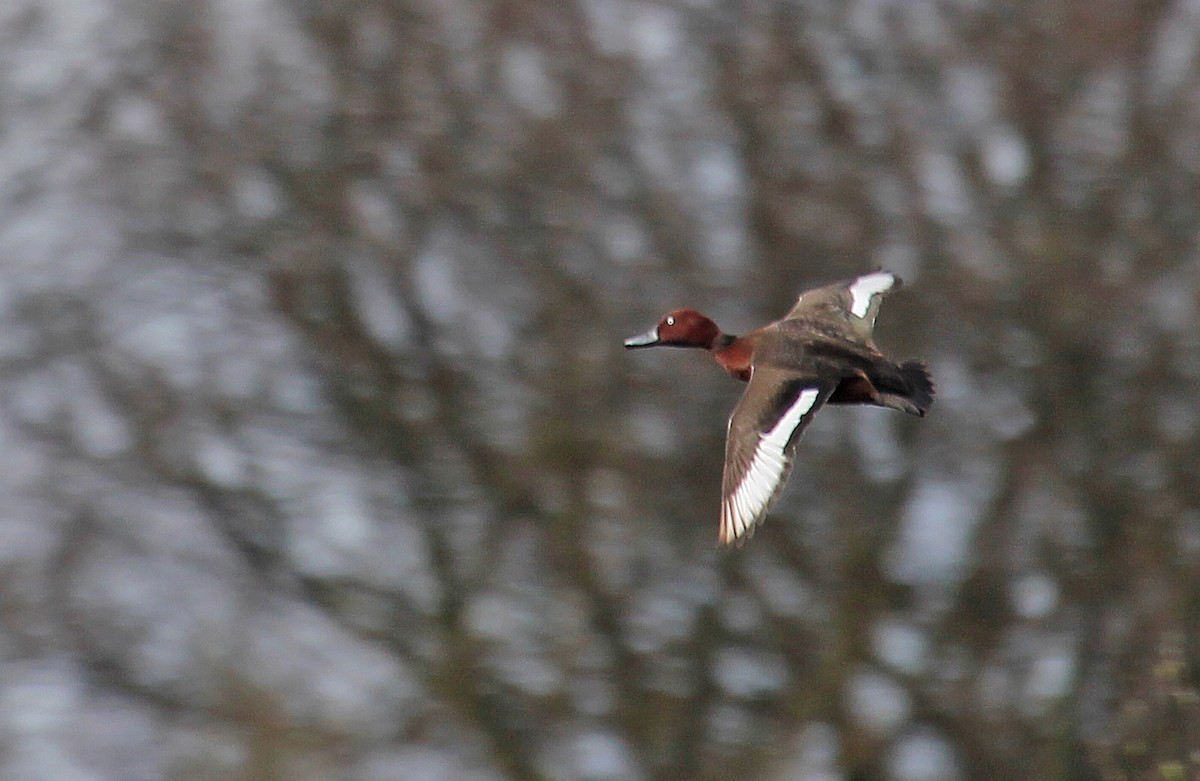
<point x="821" y="352"/>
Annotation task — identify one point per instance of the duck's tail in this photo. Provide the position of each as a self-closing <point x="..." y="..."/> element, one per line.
<point x="920" y="384"/>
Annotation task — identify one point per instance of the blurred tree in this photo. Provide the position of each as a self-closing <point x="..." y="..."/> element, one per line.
<point x="322" y="459"/>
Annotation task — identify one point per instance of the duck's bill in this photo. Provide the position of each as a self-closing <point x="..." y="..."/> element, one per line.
<point x="648" y="339"/>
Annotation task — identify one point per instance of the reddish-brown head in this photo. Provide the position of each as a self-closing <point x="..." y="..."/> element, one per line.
<point x="679" y="328"/>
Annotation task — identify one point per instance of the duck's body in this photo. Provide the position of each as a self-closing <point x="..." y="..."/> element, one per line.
<point x="820" y="352"/>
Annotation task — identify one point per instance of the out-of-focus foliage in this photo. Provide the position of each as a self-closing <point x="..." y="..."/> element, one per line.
<point x="322" y="459"/>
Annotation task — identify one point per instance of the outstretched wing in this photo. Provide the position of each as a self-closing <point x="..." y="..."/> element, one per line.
<point x="855" y="302"/>
<point x="761" y="442"/>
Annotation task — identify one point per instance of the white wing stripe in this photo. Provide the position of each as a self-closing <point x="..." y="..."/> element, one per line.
<point x="778" y="436"/>
<point x="865" y="288"/>
<point x="762" y="477"/>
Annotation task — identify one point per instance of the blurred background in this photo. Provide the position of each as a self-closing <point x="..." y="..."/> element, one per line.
<point x="321" y="457"/>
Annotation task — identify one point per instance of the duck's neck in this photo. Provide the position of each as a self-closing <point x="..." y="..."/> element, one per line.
<point x="733" y="354"/>
<point x="721" y="341"/>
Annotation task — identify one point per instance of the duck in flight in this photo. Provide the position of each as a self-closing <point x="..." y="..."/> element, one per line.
<point x="821" y="352"/>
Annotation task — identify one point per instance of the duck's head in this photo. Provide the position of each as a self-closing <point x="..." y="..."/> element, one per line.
<point x="679" y="328"/>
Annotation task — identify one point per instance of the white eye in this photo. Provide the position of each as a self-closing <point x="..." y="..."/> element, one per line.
<point x="670" y="319"/>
